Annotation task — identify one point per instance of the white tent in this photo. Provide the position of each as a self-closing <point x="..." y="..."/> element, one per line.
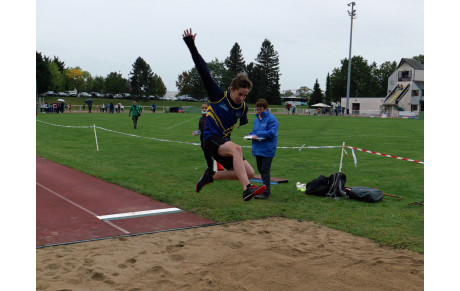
<point x="320" y="105"/>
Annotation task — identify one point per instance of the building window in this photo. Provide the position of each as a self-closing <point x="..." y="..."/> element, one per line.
<point x="413" y="107"/>
<point x="414" y="92"/>
<point x="404" y="75"/>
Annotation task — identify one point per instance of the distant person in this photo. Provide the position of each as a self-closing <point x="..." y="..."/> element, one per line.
<point x="154" y="107"/>
<point x="135" y="111"/>
<point x="70" y="107"/>
<point x="343" y="110"/>
<point x="111" y="107"/>
<point x="90" y="105"/>
<point x="264" y="142"/>
<point x="293" y="109"/>
<point x="225" y="108"/>
<point x="207" y="156"/>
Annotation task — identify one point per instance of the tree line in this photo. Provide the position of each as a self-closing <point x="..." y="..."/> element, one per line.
<point x="53" y="75"/>
<point x="367" y="80"/>
<point x="263" y="72"/>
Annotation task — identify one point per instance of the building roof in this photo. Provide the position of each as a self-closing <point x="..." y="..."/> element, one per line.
<point x="420" y="84"/>
<point x="412" y="62"/>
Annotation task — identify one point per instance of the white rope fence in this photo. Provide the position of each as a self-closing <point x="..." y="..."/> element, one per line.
<point x="197" y="144"/>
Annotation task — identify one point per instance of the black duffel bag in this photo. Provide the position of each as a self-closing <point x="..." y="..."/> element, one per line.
<point x="367" y="194"/>
<point x="332" y="186"/>
<point x="318" y="187"/>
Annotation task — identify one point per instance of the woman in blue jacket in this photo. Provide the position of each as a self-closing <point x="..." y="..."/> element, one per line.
<point x="264" y="141"/>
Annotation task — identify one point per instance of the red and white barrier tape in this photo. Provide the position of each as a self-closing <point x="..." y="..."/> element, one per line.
<point x="385" y="155"/>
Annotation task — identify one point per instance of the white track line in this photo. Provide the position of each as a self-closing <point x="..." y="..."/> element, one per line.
<point x="139" y="213"/>
<point x="82" y="208"/>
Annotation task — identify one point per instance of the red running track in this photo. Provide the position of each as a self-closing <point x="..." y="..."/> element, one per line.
<point x="69" y="203"/>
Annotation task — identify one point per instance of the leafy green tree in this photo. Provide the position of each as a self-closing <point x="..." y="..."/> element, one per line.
<point x="218" y="72"/>
<point x="288" y="93"/>
<point x="317" y="95"/>
<point x="189" y="83"/>
<point x="156" y="86"/>
<point x="115" y="83"/>
<point x="234" y="64"/>
<point x="57" y="79"/>
<point x="183" y="84"/>
<point x="420" y="59"/>
<point x="89" y="81"/>
<point x="42" y="73"/>
<point x="363" y="81"/>
<point x="304" y="91"/>
<point x="338" y="87"/>
<point x="160" y="87"/>
<point x="267" y="83"/>
<point x="99" y="84"/>
<point x="382" y="74"/>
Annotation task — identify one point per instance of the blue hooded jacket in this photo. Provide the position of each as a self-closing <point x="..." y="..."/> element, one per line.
<point x="266" y="128"/>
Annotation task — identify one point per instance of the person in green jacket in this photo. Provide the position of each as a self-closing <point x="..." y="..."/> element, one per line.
<point x="136" y="111"/>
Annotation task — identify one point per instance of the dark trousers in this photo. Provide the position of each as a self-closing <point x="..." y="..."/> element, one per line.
<point x="135" y="121"/>
<point x="264" y="165"/>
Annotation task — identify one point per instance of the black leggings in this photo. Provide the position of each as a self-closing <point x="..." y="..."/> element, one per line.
<point x="264" y="165"/>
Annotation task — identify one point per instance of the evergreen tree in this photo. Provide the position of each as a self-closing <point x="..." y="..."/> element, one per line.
<point x="141" y="77"/>
<point x="42" y="74"/>
<point x="256" y="76"/>
<point x="60" y="64"/>
<point x="317" y="95"/>
<point x="327" y="94"/>
<point x="267" y="83"/>
<point x="234" y="64"/>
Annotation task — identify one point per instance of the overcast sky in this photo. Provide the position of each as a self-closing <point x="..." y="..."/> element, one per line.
<point x="311" y="37"/>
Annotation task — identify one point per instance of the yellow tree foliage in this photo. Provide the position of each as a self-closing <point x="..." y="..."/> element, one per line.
<point x="75" y="76"/>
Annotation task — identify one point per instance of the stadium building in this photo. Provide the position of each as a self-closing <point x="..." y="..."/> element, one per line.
<point x="405" y="95"/>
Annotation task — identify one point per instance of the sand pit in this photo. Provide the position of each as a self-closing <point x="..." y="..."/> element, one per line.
<point x="266" y="254"/>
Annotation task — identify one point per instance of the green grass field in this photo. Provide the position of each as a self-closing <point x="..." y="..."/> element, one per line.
<point x="168" y="171"/>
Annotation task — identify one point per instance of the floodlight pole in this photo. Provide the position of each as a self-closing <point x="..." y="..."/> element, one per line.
<point x="352" y="16"/>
